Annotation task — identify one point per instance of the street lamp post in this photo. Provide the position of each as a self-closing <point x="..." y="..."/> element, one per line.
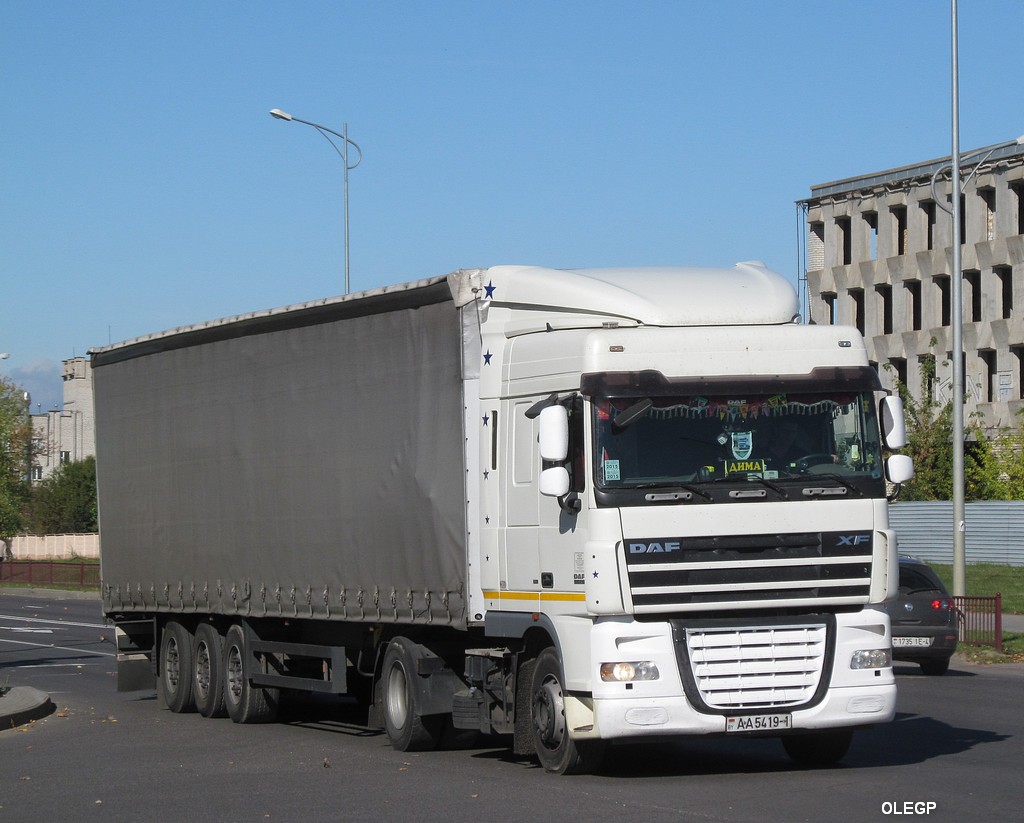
<point x="343" y="154"/>
<point x="957" y="310"/>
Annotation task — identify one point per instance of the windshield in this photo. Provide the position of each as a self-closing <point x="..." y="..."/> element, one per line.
<point x="779" y="440"/>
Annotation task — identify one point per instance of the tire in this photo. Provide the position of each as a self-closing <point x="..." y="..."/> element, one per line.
<point x="407" y="728"/>
<point x="935" y="668"/>
<point x="175" y="682"/>
<point x="824" y="748"/>
<point x="208" y="672"/>
<point x="245" y="703"/>
<point x="556" y="750"/>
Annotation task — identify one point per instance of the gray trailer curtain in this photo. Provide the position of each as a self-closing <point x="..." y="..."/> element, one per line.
<point x="311" y="470"/>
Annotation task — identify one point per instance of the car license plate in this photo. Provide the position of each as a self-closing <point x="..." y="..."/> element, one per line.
<point x="903" y="642"/>
<point x="758" y="723"/>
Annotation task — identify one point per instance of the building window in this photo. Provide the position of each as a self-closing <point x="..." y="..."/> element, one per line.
<point x="988" y="197"/>
<point x="857" y="296"/>
<point x="926" y="368"/>
<point x="871" y="219"/>
<point x="1018" y="354"/>
<point x="988" y="359"/>
<point x="830" y="300"/>
<point x="973" y="280"/>
<point x="928" y="206"/>
<point x="885" y="308"/>
<point x="65" y="457"/>
<point x="845" y="240"/>
<point x="899" y="367"/>
<point x="816" y="247"/>
<point x="899" y="225"/>
<point x="945" y="301"/>
<point x="1005" y="276"/>
<point x="1017" y="187"/>
<point x="913" y="288"/>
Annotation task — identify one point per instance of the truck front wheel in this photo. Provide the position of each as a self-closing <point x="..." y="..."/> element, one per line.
<point x="175" y="683"/>
<point x="824" y="748"/>
<point x="245" y="702"/>
<point x="407" y="728"/>
<point x="556" y="750"/>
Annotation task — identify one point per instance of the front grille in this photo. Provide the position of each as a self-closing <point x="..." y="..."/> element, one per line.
<point x="757" y="667"/>
<point x="749" y="571"/>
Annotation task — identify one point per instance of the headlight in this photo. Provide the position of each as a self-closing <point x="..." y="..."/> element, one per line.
<point x="871" y="659"/>
<point x="629" y="672"/>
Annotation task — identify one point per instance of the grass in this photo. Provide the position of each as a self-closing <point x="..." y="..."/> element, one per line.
<point x="985" y="579"/>
<point x="1013" y="651"/>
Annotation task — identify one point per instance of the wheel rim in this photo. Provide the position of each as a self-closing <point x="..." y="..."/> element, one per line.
<point x="549" y="713"/>
<point x="172" y="665"/>
<point x="203" y="669"/>
<point x="234" y="675"/>
<point x="397" y="696"/>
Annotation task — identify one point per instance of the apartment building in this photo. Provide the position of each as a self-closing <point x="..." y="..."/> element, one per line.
<point x="68" y="433"/>
<point x="878" y="256"/>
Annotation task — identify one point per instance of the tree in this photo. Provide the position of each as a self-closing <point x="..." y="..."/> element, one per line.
<point x="930" y="445"/>
<point x="15" y="455"/>
<point x="65" y="502"/>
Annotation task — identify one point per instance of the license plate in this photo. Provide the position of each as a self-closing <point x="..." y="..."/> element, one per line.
<point x="758" y="723"/>
<point x="911" y="641"/>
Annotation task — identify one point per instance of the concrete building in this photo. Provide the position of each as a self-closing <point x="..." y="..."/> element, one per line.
<point x="69" y="433"/>
<point x="878" y="257"/>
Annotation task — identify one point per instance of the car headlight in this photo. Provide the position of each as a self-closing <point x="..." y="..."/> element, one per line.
<point x="629" y="672"/>
<point x="871" y="659"/>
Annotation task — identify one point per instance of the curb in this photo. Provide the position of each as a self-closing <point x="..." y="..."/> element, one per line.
<point x="23" y="704"/>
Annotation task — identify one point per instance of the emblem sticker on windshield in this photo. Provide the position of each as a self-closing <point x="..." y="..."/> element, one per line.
<point x="742" y="445"/>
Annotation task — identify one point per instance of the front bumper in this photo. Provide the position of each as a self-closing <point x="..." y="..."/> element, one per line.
<point x="674" y="706"/>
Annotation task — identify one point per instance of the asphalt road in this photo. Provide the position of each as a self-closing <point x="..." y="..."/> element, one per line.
<point x="957" y="743"/>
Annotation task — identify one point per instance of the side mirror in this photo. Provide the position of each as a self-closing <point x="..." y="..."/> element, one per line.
<point x="554" y="434"/>
<point x="554" y="482"/>
<point x="899" y="468"/>
<point x="894" y="427"/>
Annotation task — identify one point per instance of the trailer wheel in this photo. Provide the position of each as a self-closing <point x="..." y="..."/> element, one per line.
<point x="175" y="682"/>
<point x="556" y="750"/>
<point x="208" y="670"/>
<point x="408" y="730"/>
<point x="245" y="702"/>
<point x="824" y="748"/>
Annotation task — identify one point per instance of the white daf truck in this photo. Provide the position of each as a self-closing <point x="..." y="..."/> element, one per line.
<point x="570" y="506"/>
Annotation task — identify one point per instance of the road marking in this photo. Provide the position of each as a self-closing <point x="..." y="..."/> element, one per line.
<point x="23" y="630"/>
<point x="61" y="648"/>
<point x="52" y="622"/>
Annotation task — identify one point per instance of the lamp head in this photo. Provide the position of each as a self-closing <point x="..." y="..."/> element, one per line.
<point x="280" y="115"/>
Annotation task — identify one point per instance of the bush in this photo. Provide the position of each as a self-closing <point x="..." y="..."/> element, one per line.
<point x="65" y="502"/>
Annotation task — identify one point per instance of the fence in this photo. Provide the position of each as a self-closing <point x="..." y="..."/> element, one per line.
<point x="47" y="573"/>
<point x="981" y="620"/>
<point x="54" y="546"/>
<point x="993" y="531"/>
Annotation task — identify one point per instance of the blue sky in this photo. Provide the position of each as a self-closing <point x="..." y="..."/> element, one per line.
<point x="143" y="184"/>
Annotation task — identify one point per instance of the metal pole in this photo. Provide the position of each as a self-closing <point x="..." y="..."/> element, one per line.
<point x="324" y="131"/>
<point x="956" y="320"/>
<point x="345" y="159"/>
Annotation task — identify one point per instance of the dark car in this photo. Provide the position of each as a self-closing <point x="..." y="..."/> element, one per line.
<point x="923" y="617"/>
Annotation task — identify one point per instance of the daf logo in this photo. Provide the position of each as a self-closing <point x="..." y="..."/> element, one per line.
<point x="854" y="539"/>
<point x="654" y="548"/>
